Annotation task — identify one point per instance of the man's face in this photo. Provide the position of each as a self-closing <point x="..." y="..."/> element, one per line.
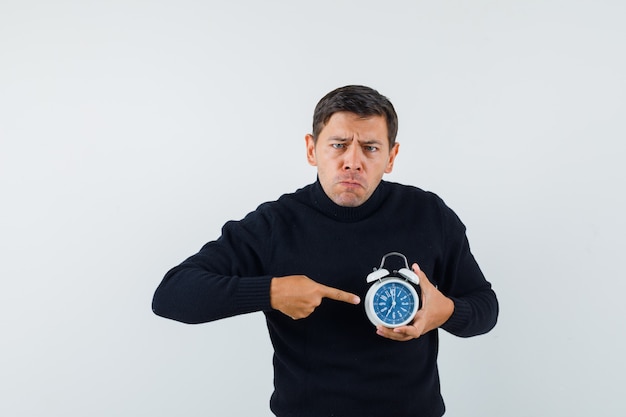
<point x="351" y="155"/>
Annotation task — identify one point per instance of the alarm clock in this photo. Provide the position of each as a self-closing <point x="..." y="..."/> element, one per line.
<point x="392" y="300"/>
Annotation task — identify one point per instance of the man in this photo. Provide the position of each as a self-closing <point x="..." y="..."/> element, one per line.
<point x="303" y="260"/>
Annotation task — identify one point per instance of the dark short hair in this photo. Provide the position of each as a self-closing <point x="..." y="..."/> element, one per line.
<point x="358" y="99"/>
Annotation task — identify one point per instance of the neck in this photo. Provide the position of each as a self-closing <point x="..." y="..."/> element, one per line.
<point x="348" y="214"/>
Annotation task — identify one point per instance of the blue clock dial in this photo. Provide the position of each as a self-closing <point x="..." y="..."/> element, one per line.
<point x="393" y="303"/>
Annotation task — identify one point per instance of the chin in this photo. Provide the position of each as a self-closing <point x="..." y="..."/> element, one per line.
<point x="350" y="200"/>
<point x="350" y="203"/>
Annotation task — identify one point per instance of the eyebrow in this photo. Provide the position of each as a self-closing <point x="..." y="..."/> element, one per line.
<point x="371" y="142"/>
<point x="362" y="142"/>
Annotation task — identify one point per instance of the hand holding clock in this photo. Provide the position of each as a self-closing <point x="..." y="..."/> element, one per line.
<point x="298" y="296"/>
<point x="436" y="310"/>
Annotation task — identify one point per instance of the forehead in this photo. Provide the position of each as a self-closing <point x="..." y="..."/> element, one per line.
<point x="351" y="124"/>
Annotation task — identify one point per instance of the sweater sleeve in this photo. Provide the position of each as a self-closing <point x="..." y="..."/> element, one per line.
<point x="225" y="278"/>
<point x="475" y="303"/>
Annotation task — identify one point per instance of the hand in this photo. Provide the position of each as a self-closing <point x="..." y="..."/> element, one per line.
<point x="436" y="310"/>
<point x="298" y="296"/>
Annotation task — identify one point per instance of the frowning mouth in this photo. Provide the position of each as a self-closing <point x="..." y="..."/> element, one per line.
<point x="350" y="183"/>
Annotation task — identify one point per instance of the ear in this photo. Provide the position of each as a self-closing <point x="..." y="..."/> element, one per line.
<point x="392" y="157"/>
<point x="310" y="150"/>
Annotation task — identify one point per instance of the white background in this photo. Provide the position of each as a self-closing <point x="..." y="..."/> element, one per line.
<point x="130" y="131"/>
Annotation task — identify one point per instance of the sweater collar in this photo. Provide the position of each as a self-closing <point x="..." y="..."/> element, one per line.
<point x="348" y="214"/>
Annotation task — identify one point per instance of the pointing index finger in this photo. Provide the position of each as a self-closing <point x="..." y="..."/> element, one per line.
<point x="339" y="295"/>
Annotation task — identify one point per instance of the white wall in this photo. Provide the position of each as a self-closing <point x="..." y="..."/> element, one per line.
<point x="130" y="131"/>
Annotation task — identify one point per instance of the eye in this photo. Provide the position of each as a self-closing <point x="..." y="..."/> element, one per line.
<point x="370" y="148"/>
<point x="338" y="145"/>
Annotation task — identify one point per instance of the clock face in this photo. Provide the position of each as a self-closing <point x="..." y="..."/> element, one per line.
<point x="394" y="303"/>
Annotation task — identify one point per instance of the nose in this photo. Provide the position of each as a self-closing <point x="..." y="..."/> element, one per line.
<point x="352" y="159"/>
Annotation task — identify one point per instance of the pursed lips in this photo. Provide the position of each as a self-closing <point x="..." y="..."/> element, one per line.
<point x="350" y="183"/>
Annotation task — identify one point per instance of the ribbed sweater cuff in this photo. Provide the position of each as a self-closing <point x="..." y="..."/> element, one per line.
<point x="253" y="294"/>
<point x="460" y="317"/>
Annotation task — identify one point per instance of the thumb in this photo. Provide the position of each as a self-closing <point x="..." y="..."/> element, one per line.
<point x="340" y="295"/>
<point x="421" y="275"/>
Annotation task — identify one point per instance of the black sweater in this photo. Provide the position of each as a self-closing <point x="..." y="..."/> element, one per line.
<point x="332" y="363"/>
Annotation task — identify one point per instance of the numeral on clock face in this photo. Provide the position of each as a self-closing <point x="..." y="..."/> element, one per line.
<point x="392" y="303"/>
